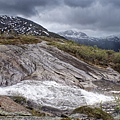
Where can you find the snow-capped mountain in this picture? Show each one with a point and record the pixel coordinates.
(21, 25)
(110, 42)
(73, 34)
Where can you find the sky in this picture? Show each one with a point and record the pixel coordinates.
(96, 18)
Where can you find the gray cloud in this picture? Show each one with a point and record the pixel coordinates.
(86, 15)
(115, 3)
(79, 3)
(25, 7)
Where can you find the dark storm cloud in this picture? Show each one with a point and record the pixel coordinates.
(116, 3)
(25, 7)
(103, 15)
(79, 3)
(100, 15)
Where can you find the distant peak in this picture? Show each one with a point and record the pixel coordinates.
(73, 33)
(19, 25)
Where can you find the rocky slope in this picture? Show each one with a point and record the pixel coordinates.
(109, 43)
(51, 78)
(44, 62)
(37, 79)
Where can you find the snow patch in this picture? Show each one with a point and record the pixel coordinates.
(46, 33)
(51, 93)
(115, 92)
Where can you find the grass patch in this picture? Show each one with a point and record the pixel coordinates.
(96, 113)
(19, 99)
(91, 55)
(37, 113)
(19, 40)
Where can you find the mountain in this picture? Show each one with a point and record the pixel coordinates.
(48, 79)
(73, 34)
(109, 43)
(19, 25)
(41, 77)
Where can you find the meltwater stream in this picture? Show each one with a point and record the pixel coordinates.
(51, 93)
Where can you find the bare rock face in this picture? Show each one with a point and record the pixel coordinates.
(13, 68)
(42, 62)
(50, 77)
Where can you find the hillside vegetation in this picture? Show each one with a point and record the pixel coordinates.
(89, 54)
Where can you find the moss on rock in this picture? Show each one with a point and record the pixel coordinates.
(19, 99)
(96, 113)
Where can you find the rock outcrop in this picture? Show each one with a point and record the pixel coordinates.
(49, 77)
(10, 108)
(42, 62)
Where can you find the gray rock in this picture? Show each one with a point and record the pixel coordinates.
(42, 62)
(29, 118)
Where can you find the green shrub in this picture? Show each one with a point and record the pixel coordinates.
(117, 57)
